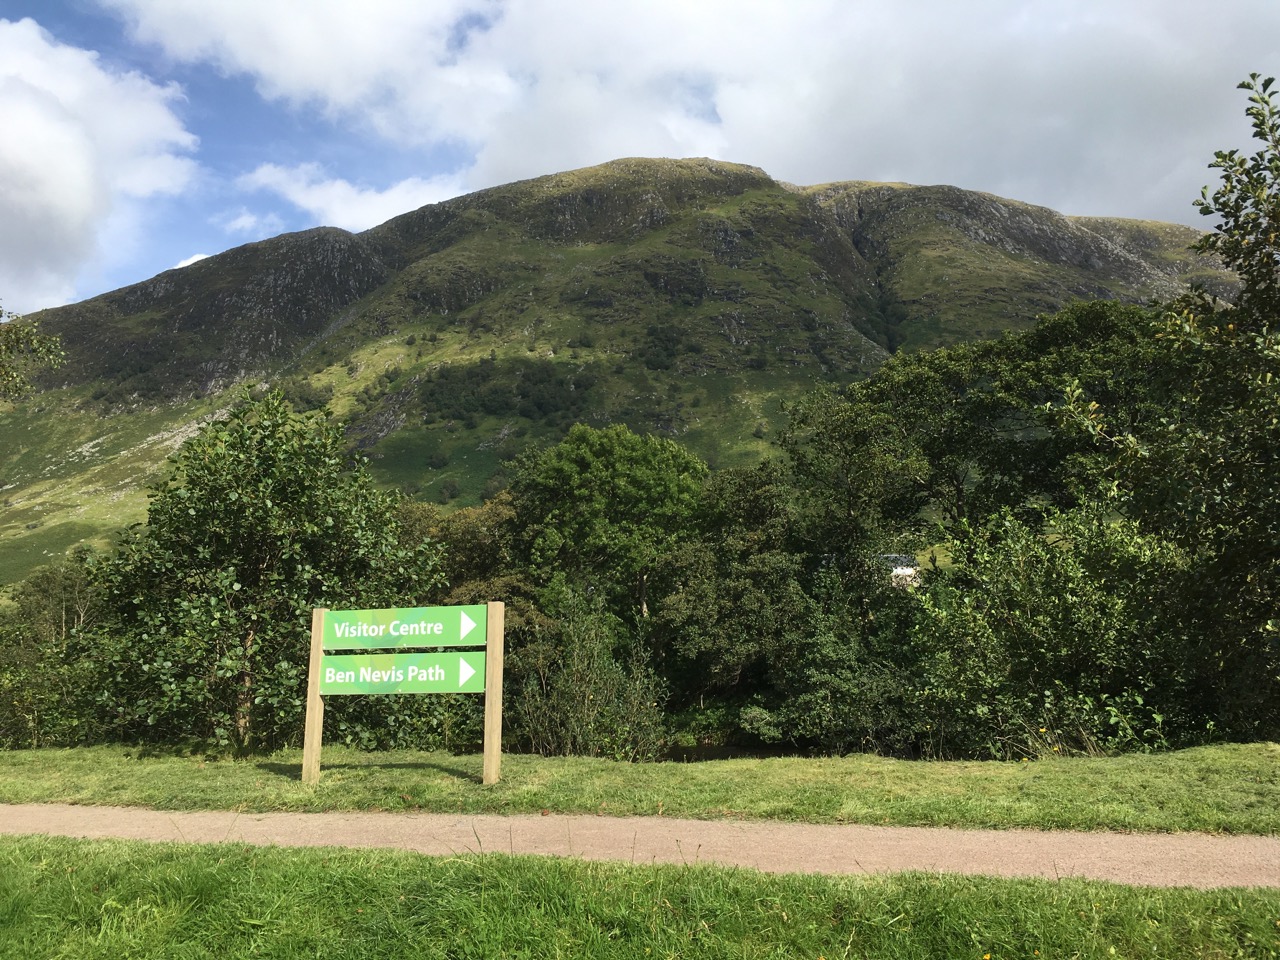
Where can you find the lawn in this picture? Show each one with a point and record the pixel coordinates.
(1232, 788)
(112, 899)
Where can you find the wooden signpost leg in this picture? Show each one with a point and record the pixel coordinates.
(493, 693)
(314, 728)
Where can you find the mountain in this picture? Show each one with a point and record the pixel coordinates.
(690, 297)
(954, 265)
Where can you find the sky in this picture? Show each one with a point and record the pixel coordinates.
(141, 135)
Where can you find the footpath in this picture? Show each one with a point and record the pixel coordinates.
(1180, 859)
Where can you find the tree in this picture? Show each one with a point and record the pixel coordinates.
(861, 468)
(730, 596)
(961, 432)
(606, 506)
(1247, 204)
(23, 349)
(262, 518)
(1206, 474)
(1059, 627)
(44, 697)
(570, 692)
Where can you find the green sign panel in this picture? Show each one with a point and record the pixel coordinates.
(405, 627)
(459, 672)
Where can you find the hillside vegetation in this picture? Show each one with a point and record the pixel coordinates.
(689, 298)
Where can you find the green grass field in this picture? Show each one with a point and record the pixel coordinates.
(113, 899)
(1230, 788)
(109, 899)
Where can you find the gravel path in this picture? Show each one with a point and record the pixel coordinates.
(1192, 860)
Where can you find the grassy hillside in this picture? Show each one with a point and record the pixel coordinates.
(956, 265)
(690, 298)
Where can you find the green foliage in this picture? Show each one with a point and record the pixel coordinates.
(840, 683)
(961, 432)
(733, 593)
(206, 629)
(23, 350)
(1204, 474)
(45, 694)
(605, 506)
(1247, 203)
(790, 632)
(1069, 626)
(410, 722)
(1062, 639)
(537, 390)
(581, 691)
(860, 466)
(303, 396)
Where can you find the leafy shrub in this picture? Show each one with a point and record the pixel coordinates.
(1064, 634)
(303, 396)
(436, 722)
(835, 683)
(576, 697)
(44, 693)
(207, 609)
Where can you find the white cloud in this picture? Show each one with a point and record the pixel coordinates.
(1091, 106)
(195, 258)
(395, 64)
(81, 144)
(244, 222)
(337, 203)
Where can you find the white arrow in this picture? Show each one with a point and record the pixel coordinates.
(467, 625)
(465, 670)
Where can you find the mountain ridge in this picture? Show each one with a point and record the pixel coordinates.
(688, 297)
(895, 243)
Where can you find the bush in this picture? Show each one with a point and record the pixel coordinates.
(574, 697)
(1057, 637)
(45, 693)
(207, 609)
(836, 685)
(434, 722)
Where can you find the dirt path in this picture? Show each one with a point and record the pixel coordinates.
(1194, 860)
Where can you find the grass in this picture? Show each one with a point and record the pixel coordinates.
(74, 898)
(1229, 789)
(73, 475)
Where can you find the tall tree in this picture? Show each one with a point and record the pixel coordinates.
(1207, 473)
(262, 518)
(606, 506)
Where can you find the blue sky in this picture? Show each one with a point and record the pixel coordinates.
(140, 134)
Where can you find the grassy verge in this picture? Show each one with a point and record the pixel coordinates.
(1232, 788)
(77, 898)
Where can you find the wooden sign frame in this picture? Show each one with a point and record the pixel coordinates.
(313, 731)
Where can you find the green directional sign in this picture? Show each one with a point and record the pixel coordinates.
(458, 672)
(462, 626)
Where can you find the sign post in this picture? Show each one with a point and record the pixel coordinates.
(409, 668)
(311, 732)
(493, 702)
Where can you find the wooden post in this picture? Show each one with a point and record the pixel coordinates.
(493, 692)
(314, 729)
